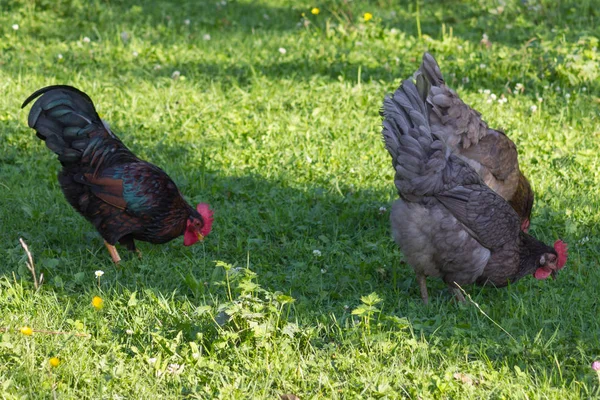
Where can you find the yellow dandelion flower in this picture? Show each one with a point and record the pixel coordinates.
(368, 16)
(27, 331)
(315, 11)
(97, 302)
(54, 362)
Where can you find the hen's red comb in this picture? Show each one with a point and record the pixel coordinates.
(562, 252)
(207, 217)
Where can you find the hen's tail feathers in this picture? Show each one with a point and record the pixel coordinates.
(430, 70)
(66, 119)
(419, 156)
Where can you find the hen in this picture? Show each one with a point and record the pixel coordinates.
(125, 198)
(447, 222)
(489, 151)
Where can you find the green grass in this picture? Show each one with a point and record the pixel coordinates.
(287, 150)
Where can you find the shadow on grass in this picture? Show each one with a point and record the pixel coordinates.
(274, 228)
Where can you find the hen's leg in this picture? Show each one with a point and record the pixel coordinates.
(423, 287)
(113, 252)
(456, 292)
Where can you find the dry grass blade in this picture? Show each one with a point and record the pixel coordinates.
(31, 266)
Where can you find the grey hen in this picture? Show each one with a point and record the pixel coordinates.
(489, 151)
(447, 222)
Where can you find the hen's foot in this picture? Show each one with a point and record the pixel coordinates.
(423, 287)
(458, 295)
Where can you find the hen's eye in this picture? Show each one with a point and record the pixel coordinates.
(543, 260)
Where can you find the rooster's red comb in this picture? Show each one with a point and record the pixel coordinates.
(207, 217)
(562, 251)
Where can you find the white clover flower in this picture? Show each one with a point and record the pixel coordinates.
(533, 108)
(484, 37)
(459, 47)
(323, 270)
(282, 50)
(187, 21)
(382, 210)
(540, 99)
(568, 95)
(175, 75)
(60, 56)
(317, 253)
(465, 79)
(175, 368)
(308, 159)
(487, 91)
(86, 40)
(558, 89)
(502, 100)
(346, 307)
(130, 332)
(15, 27)
(152, 360)
(482, 66)
(584, 89)
(99, 273)
(206, 37)
(493, 96)
(519, 86)
(157, 67)
(135, 53)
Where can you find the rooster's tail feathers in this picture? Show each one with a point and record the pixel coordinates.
(66, 119)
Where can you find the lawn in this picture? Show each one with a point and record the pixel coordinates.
(269, 112)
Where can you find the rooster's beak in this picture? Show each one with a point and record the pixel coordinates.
(200, 236)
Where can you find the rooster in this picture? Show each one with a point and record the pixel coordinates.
(448, 222)
(489, 151)
(125, 198)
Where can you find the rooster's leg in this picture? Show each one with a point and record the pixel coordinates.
(423, 286)
(113, 252)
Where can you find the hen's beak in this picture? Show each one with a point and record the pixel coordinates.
(200, 236)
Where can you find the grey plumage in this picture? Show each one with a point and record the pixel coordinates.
(490, 152)
(447, 222)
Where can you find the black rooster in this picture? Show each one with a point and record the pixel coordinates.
(124, 197)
